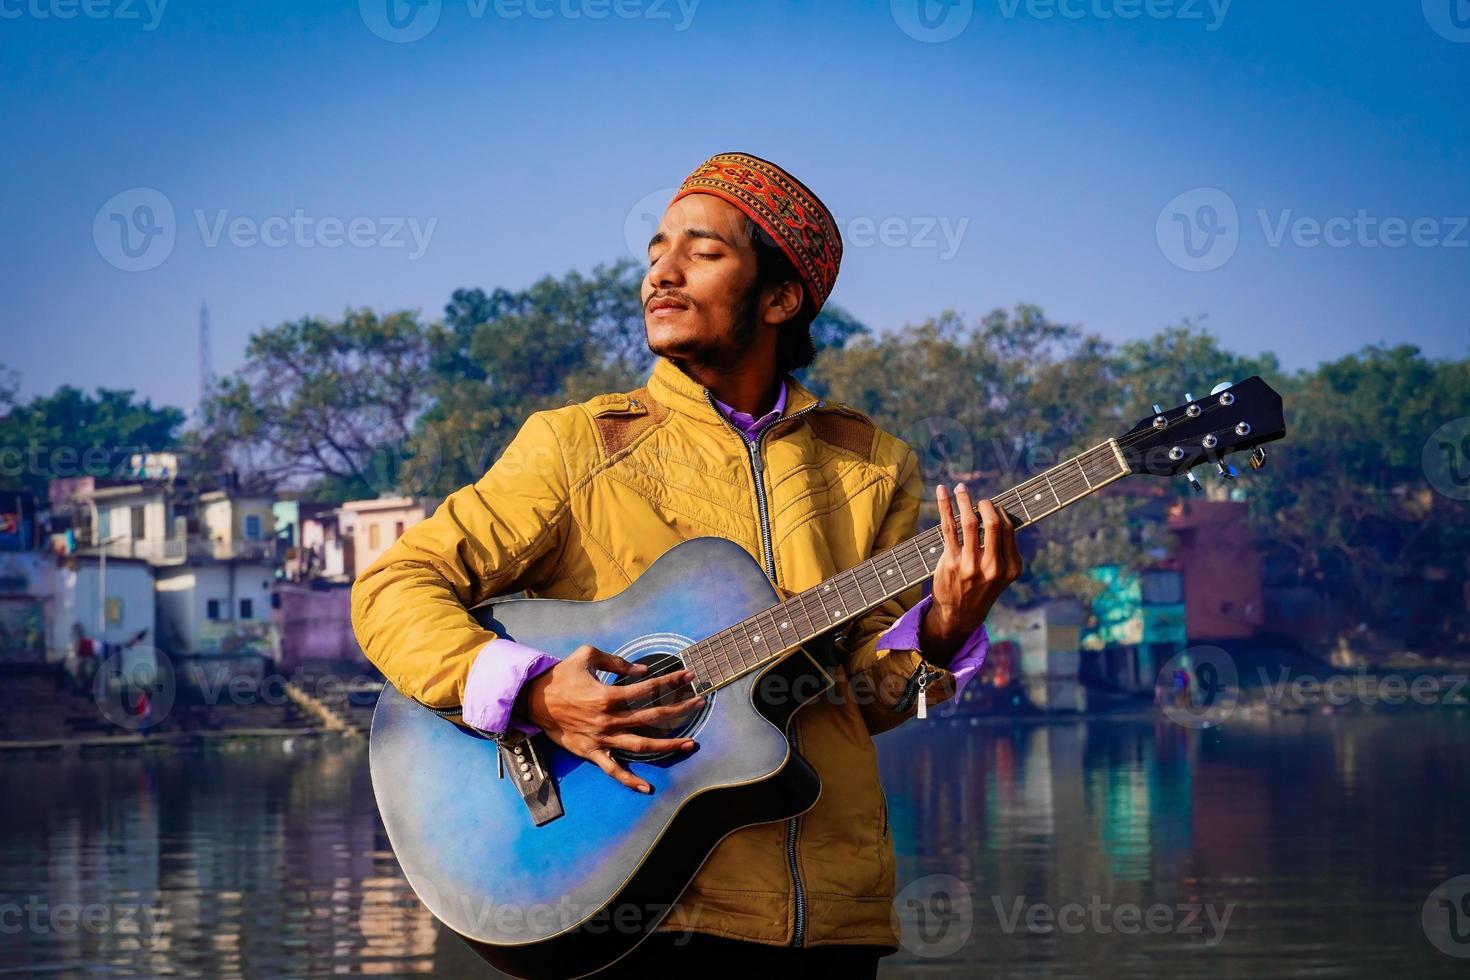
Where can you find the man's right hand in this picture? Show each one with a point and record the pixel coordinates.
(589, 718)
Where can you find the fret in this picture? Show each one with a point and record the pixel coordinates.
(1010, 511)
(884, 581)
(1053, 490)
(1024, 509)
(804, 601)
(743, 642)
(888, 573)
(857, 582)
(760, 642)
(896, 564)
(783, 627)
(919, 549)
(719, 650)
(828, 592)
(1083, 470)
(804, 606)
(733, 640)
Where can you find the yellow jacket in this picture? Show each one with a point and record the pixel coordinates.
(582, 501)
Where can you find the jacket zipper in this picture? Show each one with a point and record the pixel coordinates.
(798, 936)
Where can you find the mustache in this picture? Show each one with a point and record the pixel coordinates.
(682, 297)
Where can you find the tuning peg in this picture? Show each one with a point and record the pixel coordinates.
(1158, 409)
(1226, 471)
(1221, 387)
(1258, 457)
(1193, 481)
(1188, 397)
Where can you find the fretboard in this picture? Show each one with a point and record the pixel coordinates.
(774, 632)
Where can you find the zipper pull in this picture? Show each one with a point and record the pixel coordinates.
(923, 711)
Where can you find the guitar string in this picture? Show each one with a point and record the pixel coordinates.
(800, 599)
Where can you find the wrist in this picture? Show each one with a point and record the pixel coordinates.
(951, 625)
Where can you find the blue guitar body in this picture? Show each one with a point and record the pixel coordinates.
(574, 894)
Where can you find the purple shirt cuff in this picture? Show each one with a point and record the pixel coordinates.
(968, 659)
(501, 669)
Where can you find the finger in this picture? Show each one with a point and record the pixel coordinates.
(971, 523)
(649, 690)
(642, 743)
(658, 714)
(946, 521)
(604, 760)
(597, 660)
(1015, 563)
(1010, 547)
(991, 521)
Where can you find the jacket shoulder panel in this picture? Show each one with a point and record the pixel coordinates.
(594, 432)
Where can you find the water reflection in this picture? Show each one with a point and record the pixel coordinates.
(1313, 843)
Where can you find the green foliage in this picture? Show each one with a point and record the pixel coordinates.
(72, 433)
(334, 401)
(1346, 499)
(503, 355)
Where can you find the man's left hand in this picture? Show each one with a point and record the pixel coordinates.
(974, 572)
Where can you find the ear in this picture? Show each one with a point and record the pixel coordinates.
(783, 303)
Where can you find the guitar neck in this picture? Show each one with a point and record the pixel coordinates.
(775, 632)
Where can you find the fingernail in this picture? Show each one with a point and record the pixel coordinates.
(645, 788)
(959, 488)
(688, 746)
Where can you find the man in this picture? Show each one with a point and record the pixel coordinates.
(721, 441)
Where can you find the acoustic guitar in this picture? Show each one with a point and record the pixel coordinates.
(548, 867)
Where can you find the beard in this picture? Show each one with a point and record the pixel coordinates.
(720, 350)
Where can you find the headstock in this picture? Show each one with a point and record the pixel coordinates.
(1234, 417)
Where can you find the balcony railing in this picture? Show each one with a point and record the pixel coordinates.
(180, 550)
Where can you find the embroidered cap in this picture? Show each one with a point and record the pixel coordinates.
(782, 205)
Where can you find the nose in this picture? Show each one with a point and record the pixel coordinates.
(666, 272)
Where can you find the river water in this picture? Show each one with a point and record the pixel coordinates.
(1299, 847)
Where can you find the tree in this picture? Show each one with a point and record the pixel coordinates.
(503, 355)
(994, 403)
(1347, 499)
(331, 401)
(72, 433)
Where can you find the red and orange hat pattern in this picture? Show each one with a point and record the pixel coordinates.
(782, 205)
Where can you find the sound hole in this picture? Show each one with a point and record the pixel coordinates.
(683, 725)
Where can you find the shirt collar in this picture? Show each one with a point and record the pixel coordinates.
(750, 426)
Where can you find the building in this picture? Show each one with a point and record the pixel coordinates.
(211, 556)
(317, 547)
(1046, 639)
(1217, 555)
(1138, 626)
(214, 592)
(109, 601)
(376, 524)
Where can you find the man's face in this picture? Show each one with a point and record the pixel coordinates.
(697, 294)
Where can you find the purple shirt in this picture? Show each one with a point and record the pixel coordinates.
(504, 666)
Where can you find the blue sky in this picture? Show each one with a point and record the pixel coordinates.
(316, 157)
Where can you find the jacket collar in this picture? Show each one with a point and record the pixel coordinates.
(672, 387)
